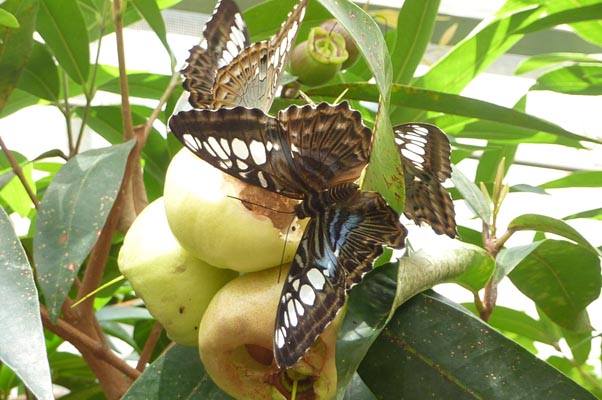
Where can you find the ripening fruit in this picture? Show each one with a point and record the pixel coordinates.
(235, 343)
(175, 286)
(319, 58)
(353, 52)
(207, 216)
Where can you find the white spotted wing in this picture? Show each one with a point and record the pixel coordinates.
(425, 153)
(311, 153)
(226, 71)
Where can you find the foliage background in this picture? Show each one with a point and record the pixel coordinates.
(427, 342)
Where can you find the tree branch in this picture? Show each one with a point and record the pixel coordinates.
(81, 341)
(19, 172)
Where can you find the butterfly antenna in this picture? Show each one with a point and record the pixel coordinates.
(284, 248)
(305, 97)
(259, 205)
(343, 93)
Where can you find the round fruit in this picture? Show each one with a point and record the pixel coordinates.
(319, 58)
(226, 222)
(235, 343)
(175, 286)
(353, 52)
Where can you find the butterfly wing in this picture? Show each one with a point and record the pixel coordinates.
(329, 143)
(425, 153)
(252, 78)
(339, 245)
(225, 36)
(245, 143)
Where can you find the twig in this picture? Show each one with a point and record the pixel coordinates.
(19, 172)
(68, 332)
(126, 110)
(149, 346)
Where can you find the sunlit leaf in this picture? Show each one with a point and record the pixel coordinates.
(7, 19)
(539, 61)
(582, 79)
(415, 25)
(22, 345)
(71, 216)
(150, 11)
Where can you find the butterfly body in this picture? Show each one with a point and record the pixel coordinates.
(314, 154)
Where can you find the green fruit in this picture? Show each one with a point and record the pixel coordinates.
(235, 343)
(353, 52)
(175, 286)
(319, 58)
(225, 231)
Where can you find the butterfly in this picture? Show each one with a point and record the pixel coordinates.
(225, 70)
(425, 152)
(314, 154)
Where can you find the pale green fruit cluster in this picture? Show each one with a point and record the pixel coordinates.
(222, 230)
(175, 286)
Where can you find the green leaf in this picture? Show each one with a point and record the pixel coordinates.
(508, 258)
(107, 122)
(491, 159)
(121, 313)
(144, 85)
(576, 179)
(371, 303)
(16, 44)
(584, 79)
(22, 345)
(8, 20)
(471, 195)
(12, 192)
(63, 28)
(41, 76)
(596, 213)
(479, 270)
(414, 30)
(72, 214)
(517, 322)
(149, 10)
(17, 101)
(384, 173)
(471, 56)
(575, 14)
(545, 60)
(426, 99)
(178, 373)
(435, 349)
(535, 222)
(580, 344)
(562, 278)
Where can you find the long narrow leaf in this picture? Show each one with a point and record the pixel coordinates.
(72, 214)
(432, 100)
(414, 30)
(22, 345)
(63, 28)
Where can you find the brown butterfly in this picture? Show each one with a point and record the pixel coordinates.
(425, 152)
(225, 70)
(314, 154)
